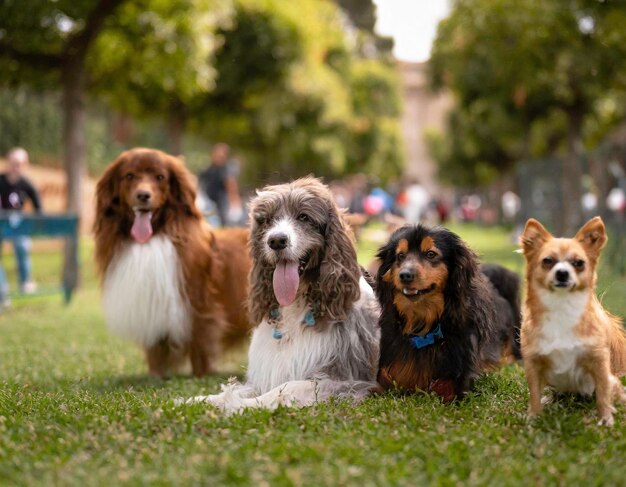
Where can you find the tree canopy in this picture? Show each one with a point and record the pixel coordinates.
(519, 66)
(47, 43)
(296, 87)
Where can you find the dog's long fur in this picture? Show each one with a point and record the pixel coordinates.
(569, 342)
(182, 293)
(338, 355)
(477, 322)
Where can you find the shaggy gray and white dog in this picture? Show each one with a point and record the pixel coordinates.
(317, 334)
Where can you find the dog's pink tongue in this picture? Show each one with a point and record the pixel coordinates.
(142, 226)
(286, 282)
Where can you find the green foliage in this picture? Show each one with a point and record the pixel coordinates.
(31, 119)
(293, 95)
(374, 89)
(36, 29)
(377, 146)
(255, 55)
(479, 144)
(514, 65)
(282, 82)
(362, 13)
(157, 52)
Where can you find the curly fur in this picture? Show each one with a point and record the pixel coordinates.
(212, 264)
(338, 355)
(331, 272)
(476, 321)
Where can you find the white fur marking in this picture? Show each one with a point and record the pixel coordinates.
(563, 266)
(143, 293)
(299, 354)
(560, 343)
(286, 227)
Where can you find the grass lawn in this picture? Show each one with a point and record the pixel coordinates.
(76, 408)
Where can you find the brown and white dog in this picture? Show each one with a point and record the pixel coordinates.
(169, 282)
(569, 342)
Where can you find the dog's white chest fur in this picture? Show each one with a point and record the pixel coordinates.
(302, 351)
(560, 344)
(297, 355)
(143, 293)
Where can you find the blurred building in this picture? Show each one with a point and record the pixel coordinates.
(423, 111)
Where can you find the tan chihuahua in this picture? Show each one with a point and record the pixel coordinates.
(569, 342)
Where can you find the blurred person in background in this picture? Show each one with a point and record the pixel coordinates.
(219, 184)
(15, 191)
(416, 201)
(511, 205)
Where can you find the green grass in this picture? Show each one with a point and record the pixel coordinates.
(76, 408)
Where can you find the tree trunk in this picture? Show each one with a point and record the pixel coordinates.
(74, 133)
(73, 79)
(176, 122)
(572, 177)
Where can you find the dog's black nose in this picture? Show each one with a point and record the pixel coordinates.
(562, 275)
(143, 196)
(406, 276)
(278, 241)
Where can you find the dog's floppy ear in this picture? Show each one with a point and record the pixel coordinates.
(533, 236)
(109, 219)
(182, 190)
(261, 298)
(108, 191)
(462, 272)
(592, 236)
(386, 256)
(338, 283)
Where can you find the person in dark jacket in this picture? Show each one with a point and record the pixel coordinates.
(218, 183)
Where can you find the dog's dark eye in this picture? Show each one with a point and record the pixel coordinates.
(548, 261)
(303, 217)
(129, 176)
(401, 256)
(578, 264)
(431, 254)
(160, 177)
(260, 219)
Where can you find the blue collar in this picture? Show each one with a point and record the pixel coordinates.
(428, 339)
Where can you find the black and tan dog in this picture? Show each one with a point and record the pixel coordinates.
(445, 319)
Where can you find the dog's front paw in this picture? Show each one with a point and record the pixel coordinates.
(606, 420)
(532, 413)
(444, 389)
(547, 399)
(179, 401)
(214, 400)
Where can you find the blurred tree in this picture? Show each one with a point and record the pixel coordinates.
(46, 43)
(479, 144)
(376, 140)
(522, 63)
(251, 98)
(284, 93)
(362, 15)
(288, 83)
(154, 59)
(258, 74)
